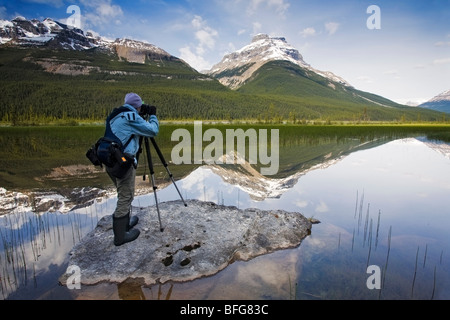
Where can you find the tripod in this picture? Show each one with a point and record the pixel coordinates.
(152, 172)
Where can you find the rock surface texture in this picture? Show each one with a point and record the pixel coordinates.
(198, 240)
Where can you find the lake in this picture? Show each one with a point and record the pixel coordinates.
(382, 202)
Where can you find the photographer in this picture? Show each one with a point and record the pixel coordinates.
(125, 125)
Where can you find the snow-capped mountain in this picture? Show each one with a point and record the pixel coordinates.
(237, 67)
(440, 102)
(50, 33)
(55, 35)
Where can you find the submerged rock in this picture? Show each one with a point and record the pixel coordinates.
(198, 240)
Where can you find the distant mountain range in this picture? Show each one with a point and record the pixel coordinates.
(55, 35)
(267, 74)
(439, 103)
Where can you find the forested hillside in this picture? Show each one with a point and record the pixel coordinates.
(39, 86)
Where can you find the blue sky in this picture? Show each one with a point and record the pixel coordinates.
(406, 60)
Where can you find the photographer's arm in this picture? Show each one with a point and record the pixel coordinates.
(144, 128)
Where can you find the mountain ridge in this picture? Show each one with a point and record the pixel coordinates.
(55, 35)
(272, 65)
(441, 102)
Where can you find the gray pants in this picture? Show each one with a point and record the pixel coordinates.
(125, 192)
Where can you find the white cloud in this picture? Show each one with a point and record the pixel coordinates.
(108, 10)
(364, 79)
(321, 207)
(55, 3)
(442, 44)
(104, 12)
(441, 61)
(301, 203)
(194, 60)
(280, 6)
(257, 27)
(197, 22)
(308, 32)
(391, 72)
(206, 41)
(205, 35)
(331, 27)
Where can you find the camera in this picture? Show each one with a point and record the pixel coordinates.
(147, 110)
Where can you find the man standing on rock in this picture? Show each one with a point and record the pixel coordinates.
(129, 126)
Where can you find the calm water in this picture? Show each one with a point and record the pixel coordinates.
(386, 207)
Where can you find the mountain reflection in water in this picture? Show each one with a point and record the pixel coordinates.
(381, 203)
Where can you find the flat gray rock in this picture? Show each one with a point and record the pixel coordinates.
(198, 240)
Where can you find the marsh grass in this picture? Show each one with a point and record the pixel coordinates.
(26, 238)
(341, 274)
(393, 286)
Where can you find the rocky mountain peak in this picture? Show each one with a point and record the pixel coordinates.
(237, 67)
(266, 37)
(260, 36)
(274, 48)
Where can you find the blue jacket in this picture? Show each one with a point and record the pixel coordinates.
(128, 123)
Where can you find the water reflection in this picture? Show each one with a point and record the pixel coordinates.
(34, 248)
(385, 206)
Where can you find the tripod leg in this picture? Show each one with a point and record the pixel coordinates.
(158, 151)
(152, 172)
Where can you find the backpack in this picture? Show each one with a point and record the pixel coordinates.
(109, 150)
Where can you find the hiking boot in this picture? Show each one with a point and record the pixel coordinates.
(132, 221)
(120, 227)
